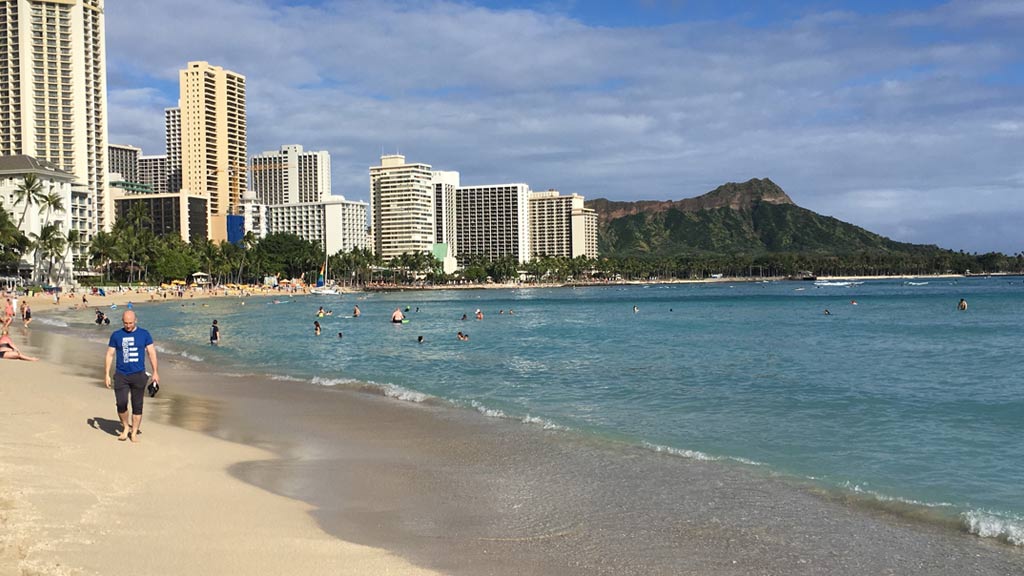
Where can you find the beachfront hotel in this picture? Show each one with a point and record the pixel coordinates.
(52, 180)
(53, 98)
(561, 226)
(336, 224)
(493, 221)
(182, 213)
(445, 184)
(401, 207)
(290, 175)
(213, 139)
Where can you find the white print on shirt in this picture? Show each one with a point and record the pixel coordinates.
(129, 352)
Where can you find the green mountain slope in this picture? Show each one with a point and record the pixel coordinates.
(753, 217)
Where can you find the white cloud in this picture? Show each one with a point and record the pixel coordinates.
(827, 105)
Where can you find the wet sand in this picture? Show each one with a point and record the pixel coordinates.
(457, 492)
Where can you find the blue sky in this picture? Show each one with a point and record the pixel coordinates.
(904, 117)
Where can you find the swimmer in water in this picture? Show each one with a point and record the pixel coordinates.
(316, 327)
(462, 337)
(419, 339)
(397, 316)
(479, 314)
(962, 305)
(635, 309)
(356, 311)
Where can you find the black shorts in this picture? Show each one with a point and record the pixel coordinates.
(133, 385)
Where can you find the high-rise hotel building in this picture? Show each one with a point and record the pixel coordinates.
(213, 139)
(561, 226)
(124, 160)
(153, 173)
(172, 145)
(493, 221)
(401, 207)
(445, 184)
(53, 97)
(291, 175)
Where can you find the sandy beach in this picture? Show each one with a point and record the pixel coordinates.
(74, 500)
(243, 474)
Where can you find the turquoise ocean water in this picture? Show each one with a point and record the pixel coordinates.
(899, 399)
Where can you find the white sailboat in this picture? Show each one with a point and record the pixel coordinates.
(321, 287)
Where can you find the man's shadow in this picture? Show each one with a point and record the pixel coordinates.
(112, 427)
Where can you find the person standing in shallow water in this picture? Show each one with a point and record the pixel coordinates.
(130, 346)
(214, 334)
(962, 306)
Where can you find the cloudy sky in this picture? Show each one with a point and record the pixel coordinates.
(905, 117)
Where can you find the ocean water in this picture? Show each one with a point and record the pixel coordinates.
(898, 400)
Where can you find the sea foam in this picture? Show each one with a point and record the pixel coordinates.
(990, 525)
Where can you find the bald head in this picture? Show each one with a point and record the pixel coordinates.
(128, 318)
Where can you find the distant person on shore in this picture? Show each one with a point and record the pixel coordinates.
(130, 346)
(462, 337)
(8, 351)
(214, 334)
(356, 311)
(962, 306)
(397, 316)
(27, 315)
(316, 327)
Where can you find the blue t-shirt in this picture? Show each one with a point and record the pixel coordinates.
(131, 349)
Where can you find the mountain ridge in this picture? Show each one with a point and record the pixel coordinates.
(753, 217)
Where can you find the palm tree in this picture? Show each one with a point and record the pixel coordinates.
(103, 250)
(13, 242)
(72, 240)
(50, 203)
(48, 244)
(30, 191)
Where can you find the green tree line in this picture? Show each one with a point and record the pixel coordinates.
(131, 252)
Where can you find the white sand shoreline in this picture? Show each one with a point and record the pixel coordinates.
(74, 500)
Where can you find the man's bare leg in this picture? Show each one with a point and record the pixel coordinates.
(136, 422)
(124, 425)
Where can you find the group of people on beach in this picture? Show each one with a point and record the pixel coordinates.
(24, 312)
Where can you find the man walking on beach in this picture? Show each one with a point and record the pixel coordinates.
(128, 344)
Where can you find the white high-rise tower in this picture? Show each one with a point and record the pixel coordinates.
(53, 96)
(401, 207)
(291, 175)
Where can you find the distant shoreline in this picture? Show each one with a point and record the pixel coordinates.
(726, 279)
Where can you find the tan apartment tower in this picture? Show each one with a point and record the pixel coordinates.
(401, 207)
(213, 140)
(561, 226)
(53, 97)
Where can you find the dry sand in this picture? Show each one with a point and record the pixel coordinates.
(74, 500)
